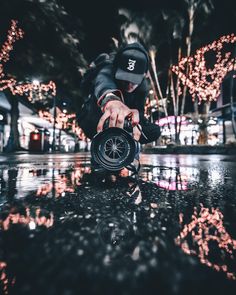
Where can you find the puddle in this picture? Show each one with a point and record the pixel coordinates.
(64, 230)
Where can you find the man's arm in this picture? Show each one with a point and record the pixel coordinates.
(105, 88)
(116, 111)
(110, 99)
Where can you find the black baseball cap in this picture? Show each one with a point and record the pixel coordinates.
(132, 64)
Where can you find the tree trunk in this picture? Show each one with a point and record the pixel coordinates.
(203, 136)
(177, 126)
(13, 143)
(191, 12)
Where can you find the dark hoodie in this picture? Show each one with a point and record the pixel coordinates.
(105, 82)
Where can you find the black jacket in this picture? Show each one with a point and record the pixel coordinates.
(104, 83)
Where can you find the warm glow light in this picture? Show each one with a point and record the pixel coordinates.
(36, 82)
(62, 120)
(34, 89)
(14, 33)
(206, 227)
(203, 81)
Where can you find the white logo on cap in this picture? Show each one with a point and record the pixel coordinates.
(131, 64)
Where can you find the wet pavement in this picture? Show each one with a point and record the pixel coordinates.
(66, 231)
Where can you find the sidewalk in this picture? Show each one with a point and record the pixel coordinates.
(201, 149)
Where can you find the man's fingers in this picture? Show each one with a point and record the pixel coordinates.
(120, 121)
(112, 121)
(135, 117)
(102, 121)
(136, 133)
(117, 112)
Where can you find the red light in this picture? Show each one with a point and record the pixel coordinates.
(35, 137)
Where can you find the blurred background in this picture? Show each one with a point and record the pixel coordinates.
(45, 54)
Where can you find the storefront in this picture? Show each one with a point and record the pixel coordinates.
(226, 123)
(189, 131)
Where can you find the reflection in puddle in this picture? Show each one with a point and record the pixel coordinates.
(50, 182)
(16, 218)
(5, 283)
(114, 230)
(168, 178)
(54, 181)
(70, 229)
(206, 237)
(25, 216)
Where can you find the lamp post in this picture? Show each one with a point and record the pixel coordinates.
(54, 124)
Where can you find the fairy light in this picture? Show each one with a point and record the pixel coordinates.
(62, 120)
(202, 81)
(36, 219)
(205, 227)
(63, 183)
(34, 91)
(4, 280)
(14, 33)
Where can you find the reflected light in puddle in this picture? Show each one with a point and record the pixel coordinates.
(5, 283)
(32, 225)
(203, 235)
(172, 186)
(215, 176)
(171, 178)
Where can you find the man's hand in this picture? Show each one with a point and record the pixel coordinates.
(136, 133)
(117, 112)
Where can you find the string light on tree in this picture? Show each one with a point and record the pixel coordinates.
(34, 91)
(197, 236)
(62, 120)
(14, 34)
(205, 81)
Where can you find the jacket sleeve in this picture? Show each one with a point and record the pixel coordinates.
(105, 83)
(140, 100)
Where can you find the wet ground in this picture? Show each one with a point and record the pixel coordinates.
(65, 231)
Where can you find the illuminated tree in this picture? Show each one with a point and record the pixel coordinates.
(174, 41)
(28, 89)
(203, 77)
(182, 29)
(14, 33)
(193, 6)
(203, 81)
(196, 239)
(51, 47)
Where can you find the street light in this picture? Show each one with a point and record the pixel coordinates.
(36, 82)
(54, 124)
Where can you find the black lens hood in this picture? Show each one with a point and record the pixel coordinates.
(113, 148)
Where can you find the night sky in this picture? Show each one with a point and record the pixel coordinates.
(100, 20)
(96, 22)
(45, 54)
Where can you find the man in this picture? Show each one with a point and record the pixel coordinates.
(119, 91)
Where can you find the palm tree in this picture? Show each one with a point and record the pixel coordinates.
(193, 7)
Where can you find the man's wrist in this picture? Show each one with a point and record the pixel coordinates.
(107, 98)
